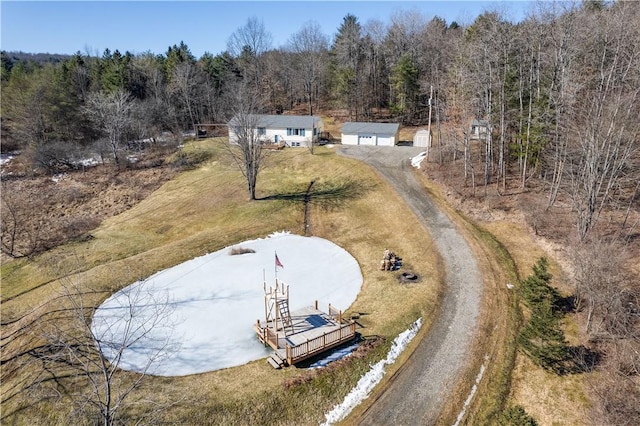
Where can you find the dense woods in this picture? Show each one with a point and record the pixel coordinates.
(559, 93)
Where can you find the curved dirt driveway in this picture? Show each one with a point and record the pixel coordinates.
(419, 390)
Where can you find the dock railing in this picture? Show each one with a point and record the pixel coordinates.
(321, 343)
(335, 314)
(266, 335)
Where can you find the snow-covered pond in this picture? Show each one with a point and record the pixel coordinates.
(198, 316)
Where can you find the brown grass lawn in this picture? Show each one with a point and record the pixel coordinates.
(206, 209)
(200, 211)
(550, 399)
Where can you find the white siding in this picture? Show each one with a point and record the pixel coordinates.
(422, 138)
(279, 134)
(349, 139)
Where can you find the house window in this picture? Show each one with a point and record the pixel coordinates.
(295, 132)
(262, 131)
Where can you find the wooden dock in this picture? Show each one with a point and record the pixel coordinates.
(304, 333)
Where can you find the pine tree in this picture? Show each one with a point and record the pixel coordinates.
(542, 338)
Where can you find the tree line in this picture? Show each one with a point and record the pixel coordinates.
(558, 92)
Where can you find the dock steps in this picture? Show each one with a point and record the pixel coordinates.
(275, 361)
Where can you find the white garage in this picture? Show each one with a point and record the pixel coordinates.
(381, 134)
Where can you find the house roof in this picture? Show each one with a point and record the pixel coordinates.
(377, 128)
(476, 122)
(284, 121)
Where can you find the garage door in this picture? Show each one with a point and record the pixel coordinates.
(384, 141)
(366, 140)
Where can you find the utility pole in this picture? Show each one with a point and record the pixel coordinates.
(429, 128)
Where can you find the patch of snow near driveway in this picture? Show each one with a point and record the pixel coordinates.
(198, 316)
(369, 381)
(417, 160)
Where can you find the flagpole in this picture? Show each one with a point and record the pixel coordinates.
(275, 265)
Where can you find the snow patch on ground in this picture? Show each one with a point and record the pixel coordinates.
(88, 162)
(367, 382)
(5, 159)
(473, 391)
(417, 160)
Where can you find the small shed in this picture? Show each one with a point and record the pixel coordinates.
(478, 129)
(381, 134)
(422, 138)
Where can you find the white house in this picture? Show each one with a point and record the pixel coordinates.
(384, 134)
(422, 138)
(290, 130)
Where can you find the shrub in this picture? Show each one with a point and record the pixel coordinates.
(516, 416)
(240, 250)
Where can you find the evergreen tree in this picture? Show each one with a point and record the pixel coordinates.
(542, 338)
(535, 289)
(347, 54)
(404, 78)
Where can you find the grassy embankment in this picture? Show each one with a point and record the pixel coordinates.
(506, 252)
(201, 211)
(547, 397)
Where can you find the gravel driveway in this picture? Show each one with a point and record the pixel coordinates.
(419, 390)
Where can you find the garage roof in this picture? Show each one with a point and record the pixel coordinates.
(354, 127)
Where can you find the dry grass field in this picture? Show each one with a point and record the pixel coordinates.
(200, 211)
(207, 208)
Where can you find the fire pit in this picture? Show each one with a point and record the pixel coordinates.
(408, 277)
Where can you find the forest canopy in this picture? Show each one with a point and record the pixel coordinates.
(557, 92)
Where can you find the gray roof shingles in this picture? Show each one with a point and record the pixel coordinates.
(375, 128)
(286, 121)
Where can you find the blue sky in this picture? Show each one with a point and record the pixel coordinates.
(205, 26)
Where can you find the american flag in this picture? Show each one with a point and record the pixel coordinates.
(278, 263)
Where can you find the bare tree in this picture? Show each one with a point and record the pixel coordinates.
(279, 85)
(10, 225)
(310, 47)
(248, 43)
(93, 346)
(252, 35)
(245, 145)
(485, 64)
(605, 290)
(606, 127)
(463, 104)
(112, 113)
(374, 68)
(186, 83)
(20, 235)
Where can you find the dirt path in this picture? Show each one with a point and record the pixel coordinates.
(419, 390)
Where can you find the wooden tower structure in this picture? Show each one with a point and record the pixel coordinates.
(276, 309)
(296, 336)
